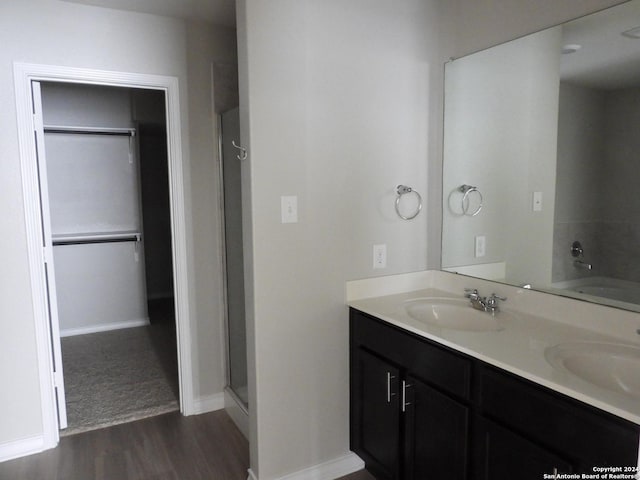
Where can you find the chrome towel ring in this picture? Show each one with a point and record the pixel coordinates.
(466, 191)
(402, 190)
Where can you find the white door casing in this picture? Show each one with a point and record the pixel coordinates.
(24, 76)
(49, 267)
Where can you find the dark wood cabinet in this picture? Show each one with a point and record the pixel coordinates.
(500, 454)
(402, 425)
(436, 429)
(422, 411)
(378, 414)
(585, 436)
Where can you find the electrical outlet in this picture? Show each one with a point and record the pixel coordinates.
(380, 256)
(537, 201)
(289, 209)
(481, 246)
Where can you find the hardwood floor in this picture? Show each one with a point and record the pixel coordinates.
(166, 447)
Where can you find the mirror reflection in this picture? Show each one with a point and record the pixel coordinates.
(541, 169)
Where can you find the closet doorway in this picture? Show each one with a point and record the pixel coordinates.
(105, 167)
(63, 235)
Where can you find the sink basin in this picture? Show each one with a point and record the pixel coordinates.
(612, 366)
(453, 314)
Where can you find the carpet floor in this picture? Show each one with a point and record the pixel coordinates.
(119, 376)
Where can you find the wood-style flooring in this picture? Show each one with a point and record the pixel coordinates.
(166, 447)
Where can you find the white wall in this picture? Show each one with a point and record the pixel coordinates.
(60, 33)
(336, 110)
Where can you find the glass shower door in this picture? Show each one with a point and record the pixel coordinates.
(236, 328)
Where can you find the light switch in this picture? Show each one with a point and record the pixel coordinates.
(289, 208)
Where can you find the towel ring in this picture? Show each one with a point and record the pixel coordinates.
(403, 189)
(467, 190)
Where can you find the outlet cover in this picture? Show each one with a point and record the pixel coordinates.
(481, 246)
(289, 208)
(537, 201)
(380, 256)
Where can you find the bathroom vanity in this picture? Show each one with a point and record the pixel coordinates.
(435, 395)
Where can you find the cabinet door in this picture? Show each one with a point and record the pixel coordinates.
(436, 429)
(375, 414)
(504, 455)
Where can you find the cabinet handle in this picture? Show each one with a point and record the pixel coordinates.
(389, 392)
(405, 385)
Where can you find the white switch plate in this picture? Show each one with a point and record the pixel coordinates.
(289, 208)
(481, 246)
(380, 256)
(537, 201)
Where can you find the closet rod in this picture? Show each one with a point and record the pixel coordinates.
(126, 132)
(100, 238)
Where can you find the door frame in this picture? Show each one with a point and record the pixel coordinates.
(24, 74)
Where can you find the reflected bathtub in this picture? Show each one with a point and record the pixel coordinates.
(610, 291)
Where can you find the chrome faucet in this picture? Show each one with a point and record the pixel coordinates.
(492, 303)
(486, 304)
(578, 251)
(582, 265)
(476, 300)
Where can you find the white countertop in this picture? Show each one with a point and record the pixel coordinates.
(520, 346)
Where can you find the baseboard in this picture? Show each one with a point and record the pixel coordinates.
(336, 468)
(208, 403)
(104, 327)
(21, 448)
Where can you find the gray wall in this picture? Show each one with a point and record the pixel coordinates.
(597, 202)
(149, 111)
(501, 110)
(336, 105)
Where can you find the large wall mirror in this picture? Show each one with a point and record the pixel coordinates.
(541, 177)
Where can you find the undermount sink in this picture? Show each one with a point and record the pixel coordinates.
(453, 314)
(614, 367)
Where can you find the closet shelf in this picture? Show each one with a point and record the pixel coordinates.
(127, 132)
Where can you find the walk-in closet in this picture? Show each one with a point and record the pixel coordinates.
(106, 194)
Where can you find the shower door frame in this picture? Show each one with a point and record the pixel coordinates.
(244, 408)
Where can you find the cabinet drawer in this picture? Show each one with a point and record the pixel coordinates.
(591, 437)
(429, 362)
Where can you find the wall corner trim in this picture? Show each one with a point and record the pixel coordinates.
(21, 448)
(207, 403)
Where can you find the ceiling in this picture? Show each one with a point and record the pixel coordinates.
(216, 12)
(607, 59)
